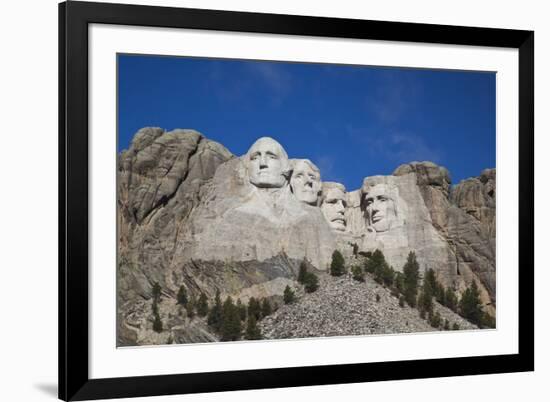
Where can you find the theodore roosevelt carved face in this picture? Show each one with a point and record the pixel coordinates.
(267, 163)
(305, 181)
(380, 207)
(333, 205)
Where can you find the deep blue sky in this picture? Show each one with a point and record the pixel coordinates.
(352, 121)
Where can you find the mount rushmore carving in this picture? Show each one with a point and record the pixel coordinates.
(190, 212)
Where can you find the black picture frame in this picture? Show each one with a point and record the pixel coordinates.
(74, 381)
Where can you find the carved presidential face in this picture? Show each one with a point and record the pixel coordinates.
(267, 163)
(380, 208)
(305, 181)
(333, 207)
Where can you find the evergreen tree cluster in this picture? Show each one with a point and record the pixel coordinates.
(233, 320)
(411, 277)
(288, 295)
(307, 278)
(406, 287)
(358, 273)
(378, 266)
(338, 264)
(470, 307)
(157, 323)
(403, 285)
(191, 304)
(432, 288)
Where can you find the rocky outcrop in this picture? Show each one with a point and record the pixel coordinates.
(464, 217)
(343, 306)
(159, 182)
(193, 215)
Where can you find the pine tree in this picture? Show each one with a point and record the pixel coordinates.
(190, 307)
(358, 273)
(398, 282)
(425, 302)
(470, 304)
(440, 294)
(266, 308)
(410, 279)
(242, 310)
(215, 316)
(455, 327)
(375, 262)
(157, 324)
(302, 272)
(429, 277)
(379, 267)
(254, 309)
(451, 300)
(337, 265)
(252, 330)
(231, 326)
(446, 326)
(202, 306)
(311, 282)
(182, 296)
(435, 320)
(288, 295)
(388, 275)
(377, 298)
(156, 292)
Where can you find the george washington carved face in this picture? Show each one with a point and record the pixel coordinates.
(333, 205)
(305, 181)
(267, 163)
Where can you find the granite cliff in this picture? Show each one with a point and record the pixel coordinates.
(191, 214)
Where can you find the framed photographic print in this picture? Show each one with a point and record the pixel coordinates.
(257, 200)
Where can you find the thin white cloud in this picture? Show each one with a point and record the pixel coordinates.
(396, 147)
(275, 78)
(392, 98)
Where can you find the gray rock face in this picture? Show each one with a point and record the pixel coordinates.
(400, 222)
(465, 218)
(239, 222)
(192, 214)
(343, 306)
(159, 182)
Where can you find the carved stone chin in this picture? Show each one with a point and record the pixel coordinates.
(267, 164)
(333, 205)
(380, 207)
(305, 181)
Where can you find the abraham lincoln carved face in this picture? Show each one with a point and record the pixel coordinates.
(380, 207)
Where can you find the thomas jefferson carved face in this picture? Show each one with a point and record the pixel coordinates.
(267, 163)
(305, 181)
(380, 208)
(334, 205)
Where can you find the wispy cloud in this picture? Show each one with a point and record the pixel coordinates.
(271, 79)
(227, 88)
(410, 147)
(273, 76)
(395, 147)
(326, 165)
(393, 98)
